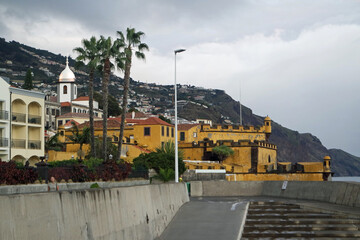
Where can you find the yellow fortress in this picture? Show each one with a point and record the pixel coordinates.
(254, 158)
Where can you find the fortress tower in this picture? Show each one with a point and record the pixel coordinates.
(267, 123)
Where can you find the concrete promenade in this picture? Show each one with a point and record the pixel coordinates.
(207, 219)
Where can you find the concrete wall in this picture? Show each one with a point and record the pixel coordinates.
(140, 212)
(36, 188)
(341, 193)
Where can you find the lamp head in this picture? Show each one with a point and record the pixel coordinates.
(179, 51)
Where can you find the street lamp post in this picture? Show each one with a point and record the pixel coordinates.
(176, 124)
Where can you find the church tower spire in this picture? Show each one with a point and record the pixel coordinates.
(66, 89)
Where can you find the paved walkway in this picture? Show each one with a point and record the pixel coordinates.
(222, 217)
(210, 219)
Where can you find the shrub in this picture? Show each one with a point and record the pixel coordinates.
(81, 173)
(165, 175)
(94, 185)
(11, 174)
(222, 152)
(63, 163)
(92, 163)
(163, 158)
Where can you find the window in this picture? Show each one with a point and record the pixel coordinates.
(52, 111)
(195, 135)
(162, 144)
(116, 139)
(172, 132)
(65, 90)
(57, 112)
(96, 114)
(47, 110)
(146, 131)
(269, 160)
(60, 122)
(74, 110)
(167, 131)
(162, 131)
(267, 123)
(182, 136)
(66, 121)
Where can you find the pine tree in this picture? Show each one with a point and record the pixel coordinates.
(28, 80)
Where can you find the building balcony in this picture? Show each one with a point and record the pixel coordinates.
(34, 119)
(34, 144)
(18, 117)
(4, 142)
(4, 115)
(18, 143)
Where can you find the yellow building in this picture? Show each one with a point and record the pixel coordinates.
(140, 135)
(27, 125)
(78, 117)
(254, 157)
(150, 133)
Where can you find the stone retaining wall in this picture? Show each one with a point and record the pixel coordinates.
(138, 212)
(342, 193)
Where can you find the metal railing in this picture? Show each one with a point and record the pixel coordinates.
(34, 144)
(4, 115)
(18, 117)
(34, 119)
(4, 142)
(18, 143)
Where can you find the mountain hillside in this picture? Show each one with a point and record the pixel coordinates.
(194, 102)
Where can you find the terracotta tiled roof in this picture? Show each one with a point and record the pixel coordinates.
(69, 123)
(149, 121)
(65, 104)
(137, 115)
(184, 127)
(111, 123)
(83, 98)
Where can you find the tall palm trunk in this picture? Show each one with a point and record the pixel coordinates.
(105, 84)
(91, 107)
(124, 103)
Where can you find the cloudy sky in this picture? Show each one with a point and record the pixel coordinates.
(296, 61)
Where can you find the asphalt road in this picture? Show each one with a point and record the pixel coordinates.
(207, 218)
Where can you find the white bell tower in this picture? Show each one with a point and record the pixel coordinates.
(66, 88)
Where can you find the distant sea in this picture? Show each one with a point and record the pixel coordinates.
(346, 179)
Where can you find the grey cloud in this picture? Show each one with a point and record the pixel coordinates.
(234, 37)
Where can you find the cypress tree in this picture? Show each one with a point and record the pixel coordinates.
(28, 80)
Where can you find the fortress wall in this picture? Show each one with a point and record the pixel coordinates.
(138, 212)
(342, 193)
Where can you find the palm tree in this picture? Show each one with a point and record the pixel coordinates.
(90, 53)
(131, 43)
(53, 143)
(81, 138)
(108, 50)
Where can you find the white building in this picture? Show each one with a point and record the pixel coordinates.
(21, 124)
(4, 120)
(68, 100)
